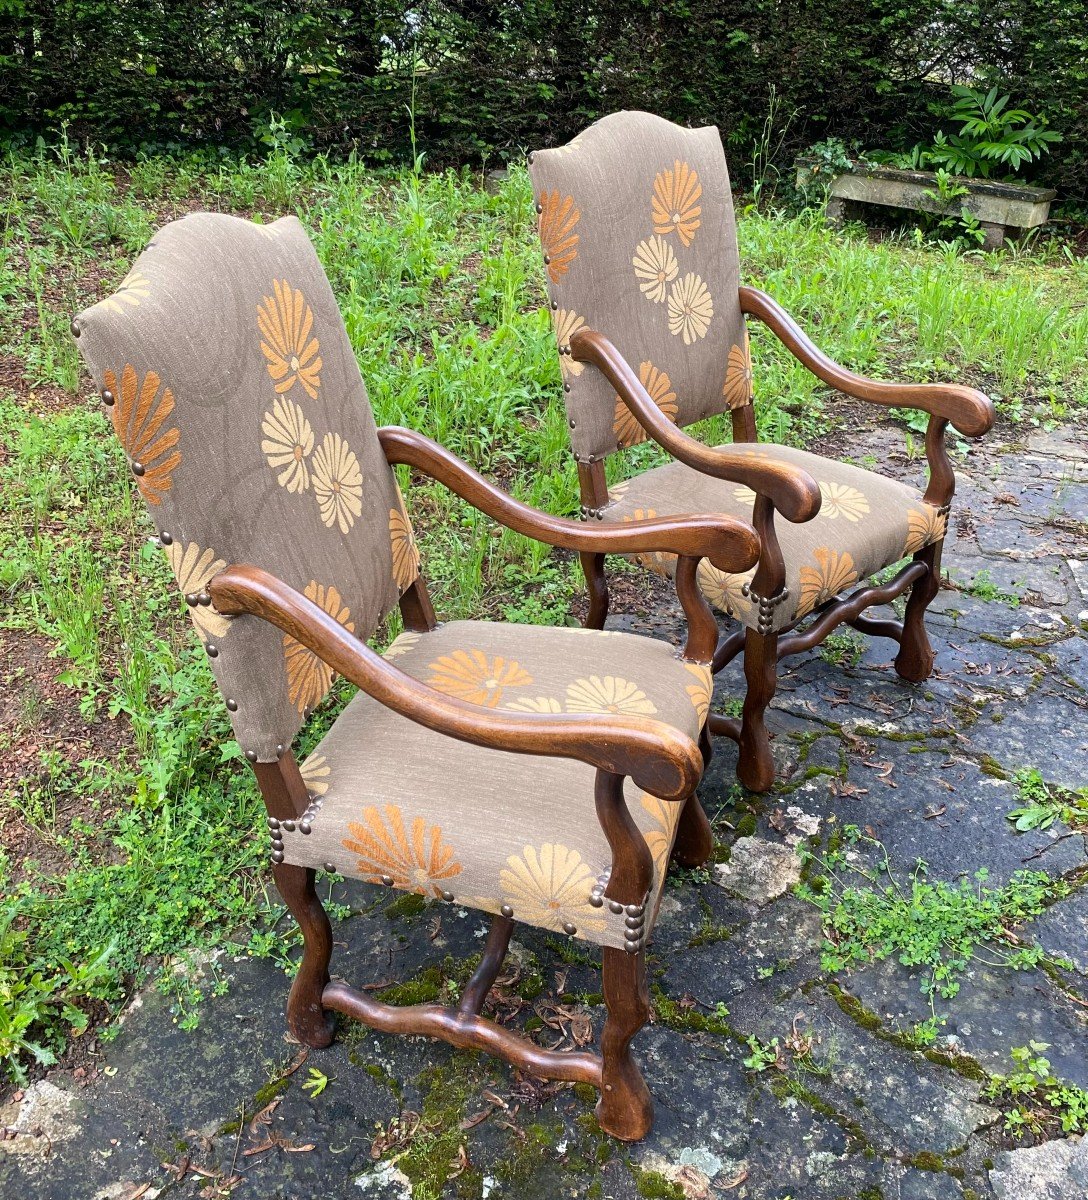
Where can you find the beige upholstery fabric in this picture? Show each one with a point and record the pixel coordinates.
(442, 818)
(639, 241)
(238, 400)
(866, 522)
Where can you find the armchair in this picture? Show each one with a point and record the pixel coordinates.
(461, 769)
(639, 241)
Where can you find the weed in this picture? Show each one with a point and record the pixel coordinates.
(762, 1055)
(843, 648)
(1035, 1097)
(1043, 804)
(316, 1083)
(984, 588)
(938, 926)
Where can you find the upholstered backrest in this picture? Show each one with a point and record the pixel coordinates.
(639, 241)
(230, 381)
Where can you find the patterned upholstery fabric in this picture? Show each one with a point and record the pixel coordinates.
(639, 240)
(236, 395)
(866, 522)
(490, 828)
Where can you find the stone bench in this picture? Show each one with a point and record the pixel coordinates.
(1000, 208)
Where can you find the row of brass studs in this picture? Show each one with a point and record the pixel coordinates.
(766, 606)
(634, 915)
(275, 832)
(597, 514)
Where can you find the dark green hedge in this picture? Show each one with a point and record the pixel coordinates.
(500, 77)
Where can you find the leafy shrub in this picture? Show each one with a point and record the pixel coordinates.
(494, 77)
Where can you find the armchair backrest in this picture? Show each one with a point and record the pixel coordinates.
(230, 381)
(639, 240)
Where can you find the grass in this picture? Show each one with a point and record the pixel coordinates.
(142, 847)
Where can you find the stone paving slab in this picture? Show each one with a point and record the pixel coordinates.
(852, 1110)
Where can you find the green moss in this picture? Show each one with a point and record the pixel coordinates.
(655, 1186)
(925, 1160)
(668, 1013)
(855, 1010)
(595, 1191)
(535, 1143)
(381, 1076)
(569, 950)
(272, 1089)
(871, 1193)
(746, 826)
(425, 988)
(962, 1064)
(432, 1153)
(710, 932)
(408, 905)
(586, 1092)
(989, 765)
(785, 1086)
(531, 985)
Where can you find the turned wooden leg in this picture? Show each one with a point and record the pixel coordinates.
(498, 942)
(914, 662)
(755, 767)
(307, 1019)
(694, 837)
(597, 584)
(625, 1109)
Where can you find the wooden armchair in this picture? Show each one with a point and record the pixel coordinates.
(639, 239)
(230, 381)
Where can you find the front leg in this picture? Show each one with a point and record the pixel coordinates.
(914, 662)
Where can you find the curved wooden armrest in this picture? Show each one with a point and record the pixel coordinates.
(659, 758)
(792, 491)
(970, 411)
(729, 543)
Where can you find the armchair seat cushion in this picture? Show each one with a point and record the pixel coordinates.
(866, 523)
(395, 803)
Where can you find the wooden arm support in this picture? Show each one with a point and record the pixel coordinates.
(792, 491)
(970, 411)
(729, 543)
(656, 756)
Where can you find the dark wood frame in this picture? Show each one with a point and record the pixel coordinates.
(656, 756)
(787, 489)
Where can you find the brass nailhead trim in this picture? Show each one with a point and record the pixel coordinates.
(138, 469)
(330, 868)
(569, 929)
(506, 910)
(387, 880)
(447, 896)
(74, 326)
(232, 705)
(166, 539)
(107, 398)
(251, 756)
(212, 649)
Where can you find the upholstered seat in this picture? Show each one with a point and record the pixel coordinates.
(496, 831)
(866, 522)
